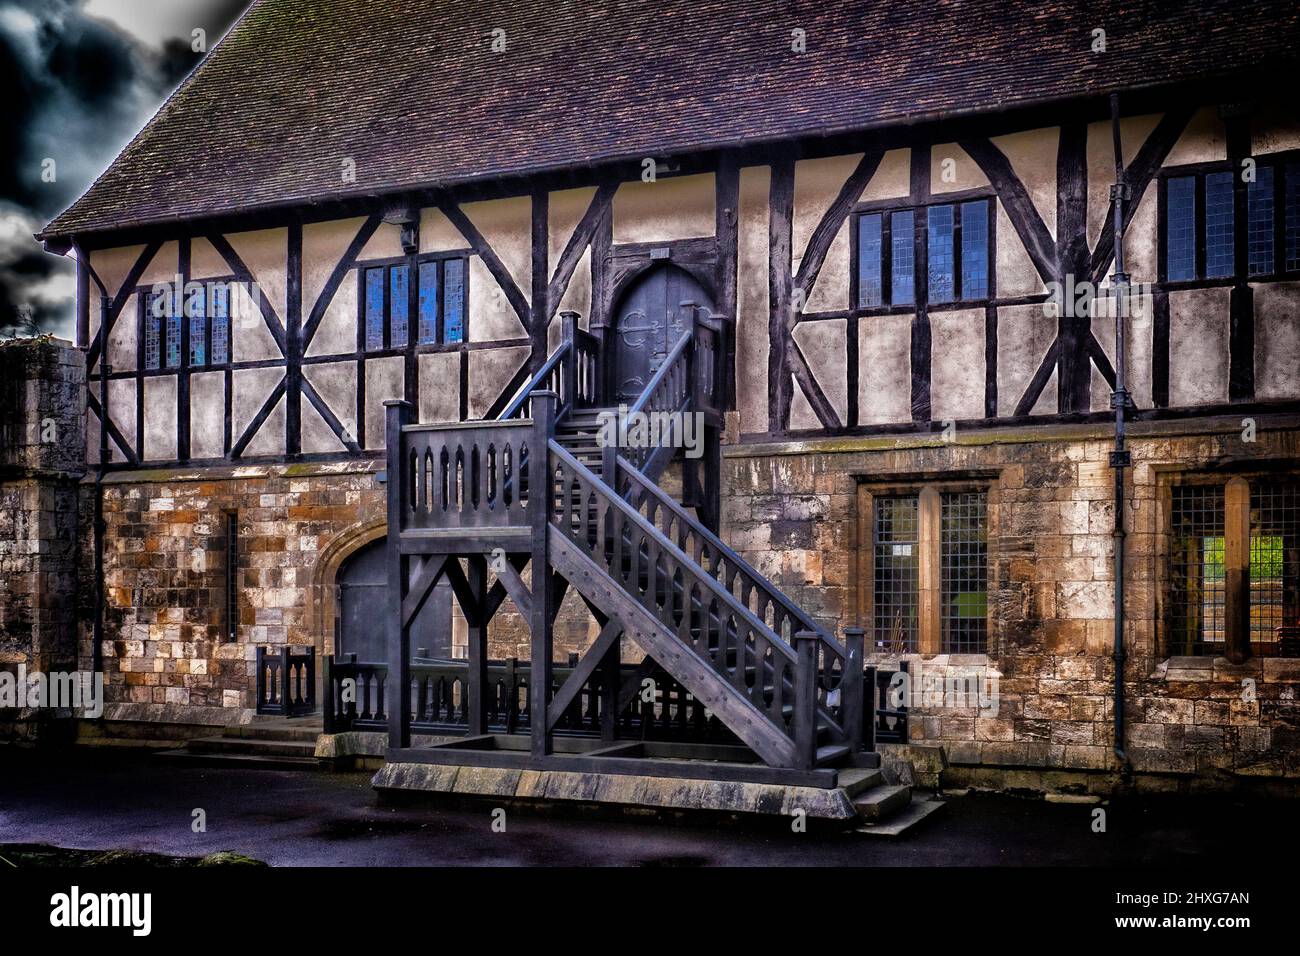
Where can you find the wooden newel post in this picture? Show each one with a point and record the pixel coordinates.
(398, 414)
(286, 681)
(569, 328)
(851, 704)
(327, 692)
(541, 500)
(805, 699)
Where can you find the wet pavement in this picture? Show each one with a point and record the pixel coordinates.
(123, 800)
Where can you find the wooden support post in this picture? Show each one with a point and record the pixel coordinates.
(610, 672)
(478, 650)
(929, 571)
(1236, 561)
(805, 700)
(286, 681)
(851, 699)
(327, 693)
(398, 414)
(569, 328)
(541, 493)
(711, 515)
(873, 703)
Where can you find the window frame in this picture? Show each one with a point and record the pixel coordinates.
(184, 331)
(1239, 487)
(1278, 163)
(886, 208)
(412, 264)
(930, 639)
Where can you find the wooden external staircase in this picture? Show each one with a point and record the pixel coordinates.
(536, 490)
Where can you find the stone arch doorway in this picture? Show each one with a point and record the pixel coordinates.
(364, 621)
(648, 321)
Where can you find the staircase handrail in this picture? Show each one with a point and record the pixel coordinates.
(801, 621)
(537, 381)
(685, 561)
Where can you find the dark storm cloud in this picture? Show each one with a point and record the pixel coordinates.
(76, 88)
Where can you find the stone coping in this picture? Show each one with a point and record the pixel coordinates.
(616, 790)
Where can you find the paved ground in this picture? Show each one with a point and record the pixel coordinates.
(99, 800)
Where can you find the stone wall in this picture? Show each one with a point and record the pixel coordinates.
(792, 511)
(166, 655)
(41, 441)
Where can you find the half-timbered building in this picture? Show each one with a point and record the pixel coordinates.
(353, 302)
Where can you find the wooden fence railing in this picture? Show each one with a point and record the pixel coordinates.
(286, 681)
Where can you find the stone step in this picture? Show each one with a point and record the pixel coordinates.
(304, 731)
(252, 761)
(253, 746)
(854, 780)
(828, 754)
(880, 801)
(919, 809)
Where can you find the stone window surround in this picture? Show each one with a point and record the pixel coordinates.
(1181, 667)
(870, 486)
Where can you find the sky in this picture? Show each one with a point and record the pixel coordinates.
(78, 79)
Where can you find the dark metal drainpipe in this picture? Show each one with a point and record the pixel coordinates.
(97, 650)
(1120, 458)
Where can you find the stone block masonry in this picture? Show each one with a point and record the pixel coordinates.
(792, 511)
(42, 443)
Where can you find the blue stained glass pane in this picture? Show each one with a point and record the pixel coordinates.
(453, 328)
(374, 309)
(975, 250)
(152, 334)
(869, 285)
(903, 259)
(196, 309)
(173, 326)
(428, 303)
(1180, 234)
(940, 259)
(1292, 223)
(1218, 225)
(220, 305)
(399, 306)
(1259, 222)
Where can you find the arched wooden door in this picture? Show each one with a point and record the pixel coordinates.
(648, 322)
(364, 618)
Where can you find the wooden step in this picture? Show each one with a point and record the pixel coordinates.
(881, 801)
(831, 753)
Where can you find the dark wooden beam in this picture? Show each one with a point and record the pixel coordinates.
(483, 249)
(124, 292)
(340, 270)
(1020, 208)
(259, 419)
(242, 274)
(293, 339)
(921, 344)
(1074, 370)
(1138, 175)
(539, 314)
(578, 243)
(335, 425)
(427, 576)
(610, 634)
(183, 372)
(780, 292)
(832, 221)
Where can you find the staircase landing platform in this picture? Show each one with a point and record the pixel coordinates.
(616, 790)
(628, 775)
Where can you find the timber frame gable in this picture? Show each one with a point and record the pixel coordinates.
(797, 376)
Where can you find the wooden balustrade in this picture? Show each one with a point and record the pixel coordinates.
(286, 681)
(354, 700)
(465, 476)
(665, 581)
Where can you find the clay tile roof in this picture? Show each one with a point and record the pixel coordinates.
(411, 91)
